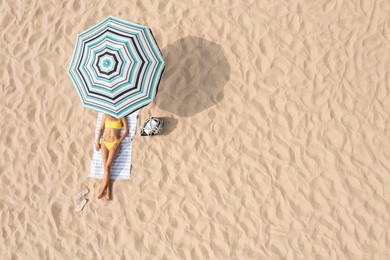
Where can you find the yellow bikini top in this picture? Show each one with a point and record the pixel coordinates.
(113, 124)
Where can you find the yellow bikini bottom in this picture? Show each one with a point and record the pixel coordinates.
(109, 145)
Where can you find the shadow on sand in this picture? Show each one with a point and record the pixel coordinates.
(195, 75)
(169, 125)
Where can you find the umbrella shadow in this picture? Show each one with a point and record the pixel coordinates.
(195, 75)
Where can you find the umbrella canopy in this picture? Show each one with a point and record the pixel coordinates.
(116, 67)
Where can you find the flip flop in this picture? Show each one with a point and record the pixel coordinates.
(81, 193)
(81, 205)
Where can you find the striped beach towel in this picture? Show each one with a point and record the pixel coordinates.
(120, 169)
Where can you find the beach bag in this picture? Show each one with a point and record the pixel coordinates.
(152, 126)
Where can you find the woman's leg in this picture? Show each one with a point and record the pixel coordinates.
(107, 170)
(105, 153)
(108, 190)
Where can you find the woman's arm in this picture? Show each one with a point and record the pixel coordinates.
(126, 132)
(101, 129)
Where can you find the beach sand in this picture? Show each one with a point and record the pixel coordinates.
(276, 146)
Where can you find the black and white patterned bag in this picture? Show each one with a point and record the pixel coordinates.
(152, 126)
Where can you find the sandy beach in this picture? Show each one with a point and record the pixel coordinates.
(276, 142)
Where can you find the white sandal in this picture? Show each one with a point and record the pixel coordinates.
(81, 205)
(81, 193)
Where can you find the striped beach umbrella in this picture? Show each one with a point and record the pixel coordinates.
(116, 67)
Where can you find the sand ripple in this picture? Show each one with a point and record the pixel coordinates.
(276, 143)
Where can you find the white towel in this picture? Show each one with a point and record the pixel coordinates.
(120, 168)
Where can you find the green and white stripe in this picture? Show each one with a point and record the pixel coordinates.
(116, 67)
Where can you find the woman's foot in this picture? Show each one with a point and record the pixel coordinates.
(108, 193)
(101, 192)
